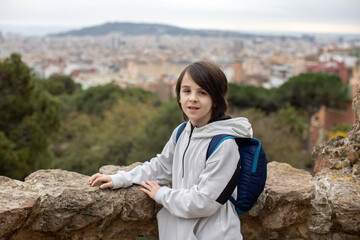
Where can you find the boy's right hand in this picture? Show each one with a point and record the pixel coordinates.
(98, 177)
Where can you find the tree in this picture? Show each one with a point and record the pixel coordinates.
(248, 96)
(28, 116)
(155, 133)
(310, 91)
(88, 141)
(59, 84)
(69, 85)
(97, 99)
(295, 119)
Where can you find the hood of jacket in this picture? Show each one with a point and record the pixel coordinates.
(238, 127)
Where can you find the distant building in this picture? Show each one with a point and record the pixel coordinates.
(91, 79)
(349, 61)
(332, 67)
(256, 71)
(254, 66)
(234, 73)
(279, 74)
(163, 88)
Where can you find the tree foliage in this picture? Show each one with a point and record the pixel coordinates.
(97, 99)
(59, 84)
(248, 96)
(309, 91)
(28, 117)
(89, 141)
(156, 132)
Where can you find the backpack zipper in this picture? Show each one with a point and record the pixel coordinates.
(183, 159)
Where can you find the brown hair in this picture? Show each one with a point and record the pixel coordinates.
(212, 79)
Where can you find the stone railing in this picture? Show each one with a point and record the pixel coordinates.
(57, 204)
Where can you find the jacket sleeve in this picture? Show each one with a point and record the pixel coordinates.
(158, 168)
(200, 200)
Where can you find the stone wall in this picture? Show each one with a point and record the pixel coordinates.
(57, 204)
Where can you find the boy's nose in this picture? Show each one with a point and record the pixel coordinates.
(193, 98)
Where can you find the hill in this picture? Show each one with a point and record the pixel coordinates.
(127, 28)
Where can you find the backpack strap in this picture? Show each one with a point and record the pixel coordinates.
(180, 130)
(230, 187)
(215, 143)
(218, 139)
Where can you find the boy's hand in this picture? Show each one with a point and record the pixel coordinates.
(98, 177)
(150, 188)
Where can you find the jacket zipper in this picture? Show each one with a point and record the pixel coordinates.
(183, 159)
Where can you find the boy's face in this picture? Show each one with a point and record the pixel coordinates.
(195, 102)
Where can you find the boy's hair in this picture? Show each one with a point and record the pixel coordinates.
(212, 79)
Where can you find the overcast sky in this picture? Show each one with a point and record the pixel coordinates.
(303, 16)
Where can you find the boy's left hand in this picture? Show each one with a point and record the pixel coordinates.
(150, 188)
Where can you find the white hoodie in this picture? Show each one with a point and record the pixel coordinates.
(190, 209)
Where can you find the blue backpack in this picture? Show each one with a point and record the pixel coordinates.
(250, 174)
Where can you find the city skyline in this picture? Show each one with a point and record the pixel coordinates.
(40, 17)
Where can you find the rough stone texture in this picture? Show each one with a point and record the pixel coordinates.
(57, 204)
(335, 210)
(284, 207)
